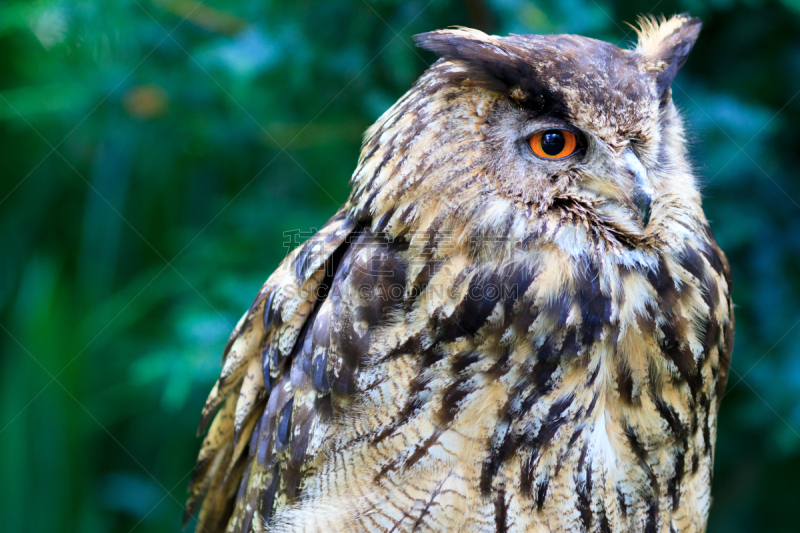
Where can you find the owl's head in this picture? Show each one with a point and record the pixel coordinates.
(503, 128)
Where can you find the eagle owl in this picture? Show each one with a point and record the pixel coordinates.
(520, 320)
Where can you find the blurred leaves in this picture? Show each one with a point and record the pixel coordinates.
(50, 98)
(189, 136)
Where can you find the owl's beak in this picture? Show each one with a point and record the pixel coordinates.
(642, 187)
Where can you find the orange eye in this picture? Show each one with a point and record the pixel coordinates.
(553, 144)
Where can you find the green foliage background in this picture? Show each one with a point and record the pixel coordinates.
(154, 152)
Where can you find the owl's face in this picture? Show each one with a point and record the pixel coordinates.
(527, 124)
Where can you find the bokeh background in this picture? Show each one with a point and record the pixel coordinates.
(154, 152)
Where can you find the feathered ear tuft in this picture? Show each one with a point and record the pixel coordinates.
(460, 43)
(492, 63)
(487, 62)
(666, 44)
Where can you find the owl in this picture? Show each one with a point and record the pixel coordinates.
(520, 321)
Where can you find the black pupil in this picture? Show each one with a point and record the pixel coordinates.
(553, 142)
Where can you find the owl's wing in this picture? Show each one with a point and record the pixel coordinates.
(274, 387)
(722, 268)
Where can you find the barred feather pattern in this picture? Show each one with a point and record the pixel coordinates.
(473, 344)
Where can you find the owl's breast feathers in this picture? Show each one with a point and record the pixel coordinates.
(395, 377)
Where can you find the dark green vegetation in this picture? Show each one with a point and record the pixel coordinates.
(145, 192)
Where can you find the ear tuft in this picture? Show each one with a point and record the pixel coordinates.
(666, 44)
(486, 61)
(459, 43)
(492, 63)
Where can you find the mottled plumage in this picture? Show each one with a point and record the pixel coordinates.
(482, 340)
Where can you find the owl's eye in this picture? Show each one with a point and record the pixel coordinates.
(553, 144)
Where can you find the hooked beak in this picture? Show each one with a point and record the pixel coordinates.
(642, 188)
